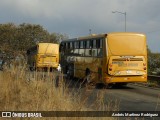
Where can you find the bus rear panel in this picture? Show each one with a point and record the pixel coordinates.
(127, 58)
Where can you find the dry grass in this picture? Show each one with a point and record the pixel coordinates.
(22, 90)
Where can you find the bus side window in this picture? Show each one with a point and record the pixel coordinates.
(81, 44)
(94, 43)
(84, 44)
(66, 50)
(81, 48)
(78, 44)
(94, 49)
(100, 53)
(76, 48)
(88, 50)
(71, 48)
(91, 44)
(70, 43)
(99, 46)
(87, 44)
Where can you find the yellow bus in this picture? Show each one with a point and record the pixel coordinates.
(113, 58)
(43, 55)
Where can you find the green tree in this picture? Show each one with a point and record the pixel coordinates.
(7, 35)
(153, 62)
(19, 38)
(57, 37)
(29, 35)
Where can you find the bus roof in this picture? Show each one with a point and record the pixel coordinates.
(94, 36)
(126, 43)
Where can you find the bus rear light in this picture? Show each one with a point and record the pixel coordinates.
(110, 69)
(144, 64)
(144, 68)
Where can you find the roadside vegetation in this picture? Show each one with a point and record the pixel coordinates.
(22, 90)
(153, 63)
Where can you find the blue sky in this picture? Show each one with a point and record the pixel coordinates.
(76, 17)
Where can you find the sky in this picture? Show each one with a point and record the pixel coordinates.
(76, 17)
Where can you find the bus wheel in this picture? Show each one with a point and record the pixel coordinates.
(119, 85)
(108, 86)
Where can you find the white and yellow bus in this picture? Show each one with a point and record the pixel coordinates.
(43, 55)
(106, 58)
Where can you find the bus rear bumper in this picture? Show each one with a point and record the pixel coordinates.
(53, 65)
(125, 79)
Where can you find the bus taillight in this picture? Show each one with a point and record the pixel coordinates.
(144, 64)
(110, 67)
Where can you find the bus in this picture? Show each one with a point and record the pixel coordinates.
(113, 58)
(43, 55)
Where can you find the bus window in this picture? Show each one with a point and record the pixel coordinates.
(91, 44)
(76, 52)
(88, 52)
(94, 44)
(94, 52)
(99, 48)
(99, 54)
(84, 42)
(87, 44)
(99, 43)
(81, 44)
(71, 45)
(81, 52)
(66, 47)
(76, 44)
